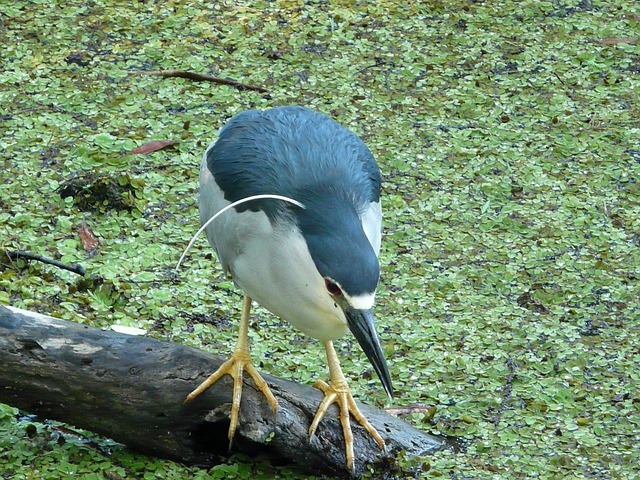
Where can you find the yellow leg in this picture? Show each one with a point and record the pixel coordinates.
(240, 361)
(337, 390)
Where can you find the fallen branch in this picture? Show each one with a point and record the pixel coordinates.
(16, 254)
(617, 41)
(199, 77)
(132, 388)
(507, 390)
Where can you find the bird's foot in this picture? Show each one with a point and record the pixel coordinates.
(239, 362)
(339, 393)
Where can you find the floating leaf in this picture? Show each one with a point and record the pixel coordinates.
(152, 147)
(411, 408)
(128, 330)
(90, 242)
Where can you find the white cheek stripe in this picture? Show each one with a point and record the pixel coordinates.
(362, 302)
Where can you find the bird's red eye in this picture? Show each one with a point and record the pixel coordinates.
(332, 288)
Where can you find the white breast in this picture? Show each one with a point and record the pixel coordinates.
(272, 265)
(276, 270)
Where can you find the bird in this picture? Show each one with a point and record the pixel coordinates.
(290, 201)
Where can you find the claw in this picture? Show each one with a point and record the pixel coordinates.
(337, 391)
(239, 362)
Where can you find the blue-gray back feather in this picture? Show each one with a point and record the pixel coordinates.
(307, 156)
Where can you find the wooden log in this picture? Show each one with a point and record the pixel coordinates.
(132, 388)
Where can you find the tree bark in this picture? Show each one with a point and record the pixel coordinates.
(132, 389)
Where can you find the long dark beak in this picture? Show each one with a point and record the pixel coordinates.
(362, 325)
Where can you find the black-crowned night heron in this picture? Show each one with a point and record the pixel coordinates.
(305, 246)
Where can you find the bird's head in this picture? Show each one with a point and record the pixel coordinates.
(348, 265)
